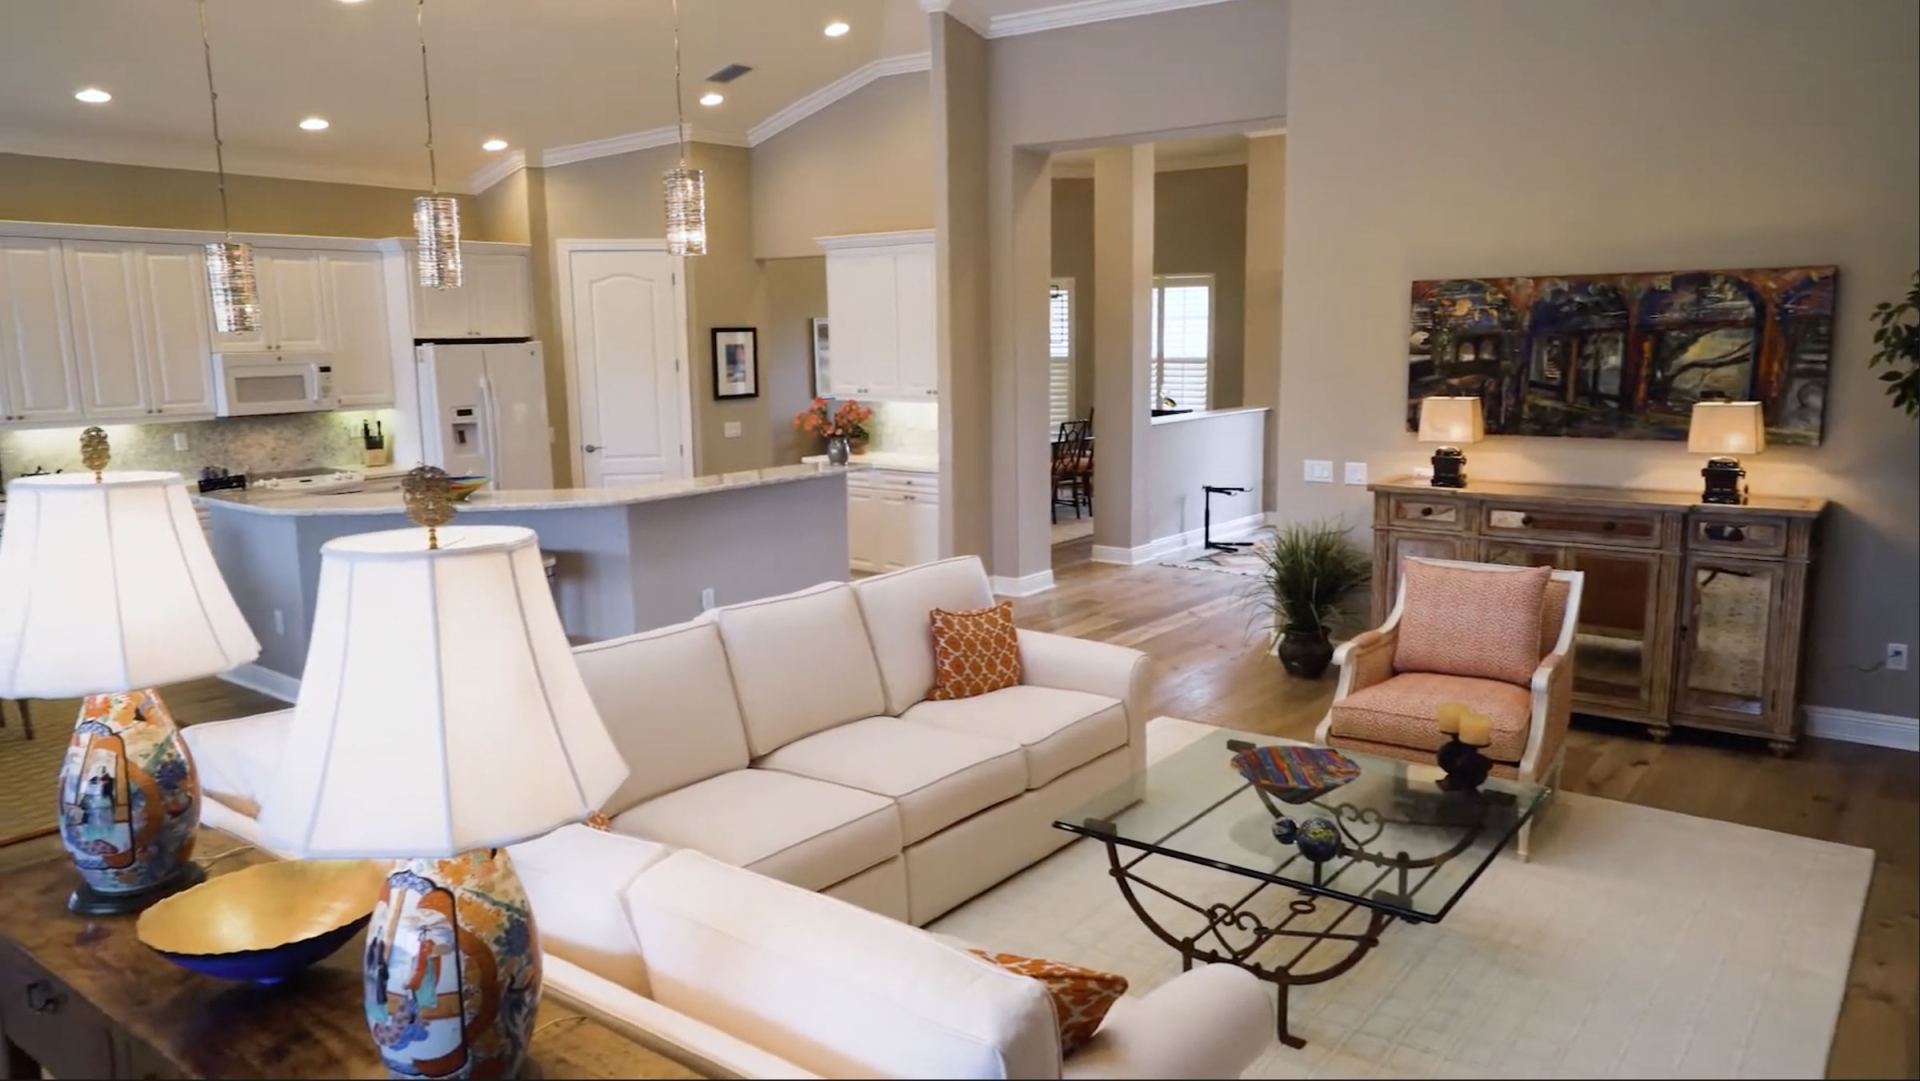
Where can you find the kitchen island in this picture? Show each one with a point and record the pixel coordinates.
(626, 559)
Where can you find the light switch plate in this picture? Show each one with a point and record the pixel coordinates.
(733, 429)
(1357, 473)
(1319, 472)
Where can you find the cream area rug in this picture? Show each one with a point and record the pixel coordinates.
(1635, 943)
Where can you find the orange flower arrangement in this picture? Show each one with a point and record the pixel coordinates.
(849, 420)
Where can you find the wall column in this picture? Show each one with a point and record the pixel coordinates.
(959, 82)
(1020, 189)
(1266, 243)
(1122, 297)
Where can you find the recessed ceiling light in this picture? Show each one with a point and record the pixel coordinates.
(93, 95)
(313, 123)
(711, 98)
(494, 144)
(837, 29)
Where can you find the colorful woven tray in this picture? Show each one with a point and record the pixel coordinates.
(1295, 774)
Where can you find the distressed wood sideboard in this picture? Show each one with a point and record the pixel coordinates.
(1694, 614)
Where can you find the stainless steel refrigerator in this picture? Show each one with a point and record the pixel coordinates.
(484, 410)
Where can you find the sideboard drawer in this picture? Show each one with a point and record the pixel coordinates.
(1426, 512)
(1626, 528)
(44, 1018)
(1758, 536)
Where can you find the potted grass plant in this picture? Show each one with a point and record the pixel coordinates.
(1307, 572)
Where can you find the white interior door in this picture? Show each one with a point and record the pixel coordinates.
(622, 329)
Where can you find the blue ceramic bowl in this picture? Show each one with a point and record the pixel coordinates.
(266, 922)
(269, 965)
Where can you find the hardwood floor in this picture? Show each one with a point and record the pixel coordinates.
(1208, 665)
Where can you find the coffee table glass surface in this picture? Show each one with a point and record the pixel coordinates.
(1408, 848)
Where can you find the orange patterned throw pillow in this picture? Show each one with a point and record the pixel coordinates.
(1081, 996)
(974, 652)
(1471, 621)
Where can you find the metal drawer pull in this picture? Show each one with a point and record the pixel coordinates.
(1426, 512)
(43, 997)
(1526, 519)
(1608, 527)
(1730, 533)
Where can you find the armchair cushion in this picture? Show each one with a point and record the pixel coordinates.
(1400, 712)
(1471, 621)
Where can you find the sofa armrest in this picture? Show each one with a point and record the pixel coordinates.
(1079, 664)
(704, 1048)
(1211, 1022)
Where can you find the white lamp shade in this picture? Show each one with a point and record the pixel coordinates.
(109, 586)
(1727, 428)
(1451, 420)
(441, 709)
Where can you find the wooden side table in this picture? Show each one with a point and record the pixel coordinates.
(82, 997)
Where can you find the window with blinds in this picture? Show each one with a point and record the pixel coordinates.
(1059, 353)
(1180, 331)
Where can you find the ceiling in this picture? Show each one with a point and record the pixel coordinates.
(537, 74)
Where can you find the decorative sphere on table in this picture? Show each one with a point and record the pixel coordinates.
(129, 800)
(1318, 840)
(1285, 830)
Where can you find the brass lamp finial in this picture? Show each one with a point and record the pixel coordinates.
(95, 453)
(429, 500)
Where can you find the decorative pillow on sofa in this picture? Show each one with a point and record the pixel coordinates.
(1081, 996)
(974, 652)
(1471, 621)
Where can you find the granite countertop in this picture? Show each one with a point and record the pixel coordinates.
(882, 459)
(265, 502)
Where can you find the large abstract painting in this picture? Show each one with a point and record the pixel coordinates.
(1626, 356)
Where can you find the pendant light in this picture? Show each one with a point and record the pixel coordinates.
(436, 217)
(686, 188)
(236, 299)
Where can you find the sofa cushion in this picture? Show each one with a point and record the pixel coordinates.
(896, 607)
(1060, 730)
(795, 829)
(236, 759)
(575, 878)
(1481, 620)
(938, 776)
(974, 653)
(801, 664)
(667, 699)
(1400, 711)
(831, 988)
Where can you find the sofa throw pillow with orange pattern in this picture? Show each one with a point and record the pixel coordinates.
(974, 652)
(1081, 996)
(1466, 621)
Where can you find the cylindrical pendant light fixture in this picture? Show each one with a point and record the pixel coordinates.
(230, 281)
(686, 188)
(436, 217)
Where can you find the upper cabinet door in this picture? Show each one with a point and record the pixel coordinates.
(861, 308)
(441, 314)
(914, 306)
(107, 333)
(293, 300)
(39, 376)
(362, 353)
(500, 301)
(172, 282)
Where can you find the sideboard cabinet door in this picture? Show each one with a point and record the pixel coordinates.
(1731, 651)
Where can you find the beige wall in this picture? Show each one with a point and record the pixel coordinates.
(1796, 144)
(99, 193)
(796, 291)
(862, 165)
(1266, 240)
(1073, 258)
(503, 212)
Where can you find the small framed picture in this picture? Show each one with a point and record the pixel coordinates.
(822, 363)
(736, 362)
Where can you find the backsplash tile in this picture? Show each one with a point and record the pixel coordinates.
(905, 428)
(240, 444)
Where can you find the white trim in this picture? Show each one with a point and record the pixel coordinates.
(273, 684)
(141, 235)
(1172, 545)
(854, 80)
(1081, 13)
(962, 10)
(497, 170)
(1023, 587)
(898, 239)
(1858, 726)
(610, 146)
(1125, 557)
(1264, 133)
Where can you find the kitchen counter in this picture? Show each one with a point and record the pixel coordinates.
(882, 459)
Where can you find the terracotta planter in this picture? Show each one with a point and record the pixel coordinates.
(1306, 653)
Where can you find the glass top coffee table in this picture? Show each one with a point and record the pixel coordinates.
(1408, 851)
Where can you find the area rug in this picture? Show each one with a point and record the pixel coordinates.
(1242, 562)
(1636, 943)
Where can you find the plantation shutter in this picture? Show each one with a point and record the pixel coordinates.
(1059, 353)
(1181, 333)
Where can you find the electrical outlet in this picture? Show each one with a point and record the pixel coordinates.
(733, 429)
(179, 441)
(279, 623)
(1357, 473)
(706, 599)
(1318, 472)
(1896, 656)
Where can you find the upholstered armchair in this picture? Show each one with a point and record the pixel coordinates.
(1388, 694)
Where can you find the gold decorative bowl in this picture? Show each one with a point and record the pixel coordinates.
(266, 922)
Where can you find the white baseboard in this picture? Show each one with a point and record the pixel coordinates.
(265, 680)
(1038, 582)
(1857, 726)
(1126, 557)
(1161, 548)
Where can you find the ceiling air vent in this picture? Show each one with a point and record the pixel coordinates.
(728, 73)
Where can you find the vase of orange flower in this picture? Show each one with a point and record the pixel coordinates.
(842, 427)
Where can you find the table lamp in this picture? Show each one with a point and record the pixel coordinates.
(1724, 429)
(1451, 421)
(441, 717)
(107, 590)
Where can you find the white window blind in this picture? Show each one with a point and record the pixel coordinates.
(1181, 334)
(1059, 353)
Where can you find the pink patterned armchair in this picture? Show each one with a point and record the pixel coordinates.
(1463, 632)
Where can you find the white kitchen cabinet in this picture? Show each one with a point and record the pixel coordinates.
(882, 306)
(140, 334)
(291, 285)
(495, 300)
(172, 284)
(39, 373)
(893, 519)
(356, 292)
(863, 527)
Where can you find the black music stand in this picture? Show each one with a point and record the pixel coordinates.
(1206, 521)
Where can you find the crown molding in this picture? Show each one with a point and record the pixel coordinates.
(612, 146)
(1080, 13)
(835, 90)
(962, 10)
(497, 170)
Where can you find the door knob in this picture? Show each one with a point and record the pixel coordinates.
(590, 448)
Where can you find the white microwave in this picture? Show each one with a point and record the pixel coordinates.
(254, 384)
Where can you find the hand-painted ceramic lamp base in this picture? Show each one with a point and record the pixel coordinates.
(453, 968)
(129, 805)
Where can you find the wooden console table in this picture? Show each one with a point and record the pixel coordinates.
(83, 998)
(1693, 614)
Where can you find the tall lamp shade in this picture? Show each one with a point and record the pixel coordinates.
(1451, 421)
(1723, 430)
